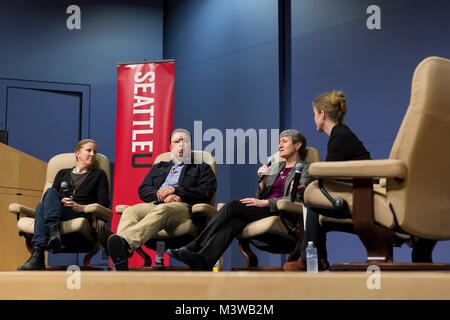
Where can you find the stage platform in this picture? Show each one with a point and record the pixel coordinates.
(110, 285)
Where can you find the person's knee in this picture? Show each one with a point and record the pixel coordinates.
(135, 211)
(234, 204)
(127, 212)
(51, 192)
(129, 217)
(233, 207)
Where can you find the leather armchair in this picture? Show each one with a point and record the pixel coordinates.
(78, 235)
(412, 200)
(186, 231)
(273, 235)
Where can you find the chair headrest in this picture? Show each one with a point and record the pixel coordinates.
(196, 156)
(312, 155)
(68, 160)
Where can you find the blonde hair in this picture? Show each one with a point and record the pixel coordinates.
(333, 104)
(82, 142)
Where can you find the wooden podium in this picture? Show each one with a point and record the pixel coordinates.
(22, 180)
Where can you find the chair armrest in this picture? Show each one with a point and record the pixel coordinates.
(16, 208)
(388, 168)
(289, 206)
(120, 208)
(204, 209)
(99, 211)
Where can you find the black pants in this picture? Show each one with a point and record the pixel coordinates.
(223, 228)
(314, 232)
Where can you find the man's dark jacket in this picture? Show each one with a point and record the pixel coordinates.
(197, 183)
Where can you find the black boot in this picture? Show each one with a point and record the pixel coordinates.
(36, 261)
(54, 241)
(119, 251)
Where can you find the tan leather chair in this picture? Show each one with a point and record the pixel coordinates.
(271, 234)
(413, 198)
(78, 235)
(186, 231)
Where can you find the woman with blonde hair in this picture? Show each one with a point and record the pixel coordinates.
(329, 111)
(73, 189)
(343, 145)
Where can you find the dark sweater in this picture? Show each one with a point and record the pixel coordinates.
(197, 183)
(93, 189)
(343, 145)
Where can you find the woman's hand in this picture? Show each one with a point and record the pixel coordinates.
(253, 202)
(301, 188)
(68, 202)
(263, 170)
(164, 192)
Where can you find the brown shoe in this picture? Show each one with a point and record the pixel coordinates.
(300, 265)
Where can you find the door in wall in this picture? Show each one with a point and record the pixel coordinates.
(44, 119)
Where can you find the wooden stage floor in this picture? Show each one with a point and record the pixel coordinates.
(103, 285)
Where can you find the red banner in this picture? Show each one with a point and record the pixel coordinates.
(145, 94)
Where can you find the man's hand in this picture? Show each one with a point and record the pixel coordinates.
(253, 202)
(164, 192)
(172, 198)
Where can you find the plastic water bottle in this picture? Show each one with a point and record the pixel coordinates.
(312, 264)
(218, 267)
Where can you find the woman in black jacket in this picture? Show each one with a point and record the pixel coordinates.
(343, 145)
(73, 189)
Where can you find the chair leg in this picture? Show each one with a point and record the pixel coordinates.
(252, 259)
(90, 254)
(422, 250)
(145, 256)
(295, 254)
(28, 239)
(377, 240)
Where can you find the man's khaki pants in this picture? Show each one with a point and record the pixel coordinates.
(141, 222)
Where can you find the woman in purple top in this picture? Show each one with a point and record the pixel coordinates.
(206, 249)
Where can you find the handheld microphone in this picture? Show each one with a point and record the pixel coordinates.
(298, 172)
(65, 189)
(267, 163)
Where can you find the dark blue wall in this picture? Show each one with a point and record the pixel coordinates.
(36, 45)
(226, 74)
(226, 68)
(333, 49)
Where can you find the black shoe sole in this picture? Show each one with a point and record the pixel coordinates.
(193, 260)
(35, 269)
(173, 253)
(118, 252)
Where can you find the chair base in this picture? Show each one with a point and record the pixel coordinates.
(257, 269)
(386, 266)
(160, 268)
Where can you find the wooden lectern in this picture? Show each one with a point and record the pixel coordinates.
(22, 179)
